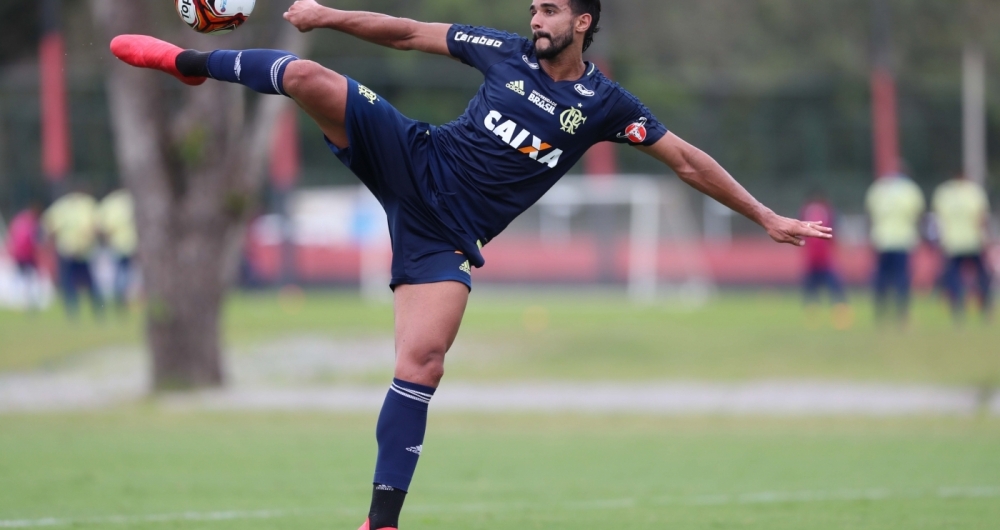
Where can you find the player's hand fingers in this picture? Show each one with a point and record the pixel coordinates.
(818, 225)
(793, 232)
(813, 229)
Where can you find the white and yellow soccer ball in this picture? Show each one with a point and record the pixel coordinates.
(214, 16)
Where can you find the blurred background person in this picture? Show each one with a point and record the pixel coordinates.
(22, 245)
(895, 205)
(962, 211)
(71, 224)
(821, 269)
(116, 224)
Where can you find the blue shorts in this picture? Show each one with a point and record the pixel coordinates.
(389, 153)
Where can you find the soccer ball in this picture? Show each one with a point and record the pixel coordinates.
(214, 16)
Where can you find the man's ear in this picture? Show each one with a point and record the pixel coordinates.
(583, 22)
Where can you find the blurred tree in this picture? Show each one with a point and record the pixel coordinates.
(195, 168)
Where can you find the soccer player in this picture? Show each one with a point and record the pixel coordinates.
(895, 206)
(116, 223)
(449, 190)
(963, 213)
(821, 266)
(22, 245)
(71, 223)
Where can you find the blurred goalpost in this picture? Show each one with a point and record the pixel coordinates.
(656, 212)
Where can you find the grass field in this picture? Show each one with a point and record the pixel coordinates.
(149, 466)
(152, 469)
(589, 336)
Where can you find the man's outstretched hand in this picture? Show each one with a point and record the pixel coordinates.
(305, 15)
(793, 231)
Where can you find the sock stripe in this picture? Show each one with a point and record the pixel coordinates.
(427, 395)
(412, 394)
(276, 69)
(416, 396)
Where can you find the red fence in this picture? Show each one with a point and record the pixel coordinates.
(580, 260)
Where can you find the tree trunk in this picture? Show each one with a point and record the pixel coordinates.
(187, 272)
(195, 172)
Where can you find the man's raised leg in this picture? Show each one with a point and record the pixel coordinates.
(321, 92)
(427, 320)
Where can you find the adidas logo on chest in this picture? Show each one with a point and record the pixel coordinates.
(517, 86)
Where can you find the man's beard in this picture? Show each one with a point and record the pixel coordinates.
(556, 44)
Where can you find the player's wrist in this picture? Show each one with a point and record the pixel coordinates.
(329, 18)
(764, 216)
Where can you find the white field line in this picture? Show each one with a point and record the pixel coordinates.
(626, 503)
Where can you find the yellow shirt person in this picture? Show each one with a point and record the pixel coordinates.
(71, 222)
(961, 208)
(895, 204)
(116, 220)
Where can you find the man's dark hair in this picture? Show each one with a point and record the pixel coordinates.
(593, 7)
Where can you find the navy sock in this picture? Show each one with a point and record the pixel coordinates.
(259, 70)
(400, 433)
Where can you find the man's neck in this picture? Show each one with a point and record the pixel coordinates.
(567, 66)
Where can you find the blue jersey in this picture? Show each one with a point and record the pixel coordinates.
(522, 132)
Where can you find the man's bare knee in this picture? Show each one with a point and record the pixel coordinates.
(424, 367)
(432, 372)
(303, 78)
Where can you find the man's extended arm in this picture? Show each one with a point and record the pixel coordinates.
(704, 174)
(392, 32)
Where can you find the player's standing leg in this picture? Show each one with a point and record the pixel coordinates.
(955, 288)
(427, 320)
(94, 295)
(881, 283)
(904, 281)
(67, 284)
(983, 282)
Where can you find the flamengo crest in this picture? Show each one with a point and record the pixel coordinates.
(571, 120)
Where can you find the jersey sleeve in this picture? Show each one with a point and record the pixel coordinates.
(630, 122)
(481, 47)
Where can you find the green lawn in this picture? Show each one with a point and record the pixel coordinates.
(589, 336)
(147, 467)
(501, 472)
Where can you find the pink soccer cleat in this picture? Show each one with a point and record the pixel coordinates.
(147, 52)
(366, 527)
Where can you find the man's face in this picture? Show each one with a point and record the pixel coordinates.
(552, 27)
